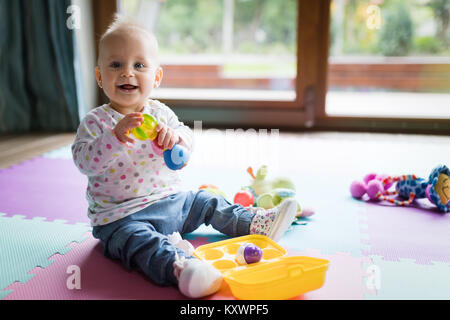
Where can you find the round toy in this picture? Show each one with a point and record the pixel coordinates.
(244, 198)
(177, 157)
(147, 130)
(248, 253)
(371, 184)
(358, 189)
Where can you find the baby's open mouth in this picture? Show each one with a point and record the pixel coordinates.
(128, 87)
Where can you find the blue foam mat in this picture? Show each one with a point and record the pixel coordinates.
(29, 243)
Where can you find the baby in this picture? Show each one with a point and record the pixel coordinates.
(135, 200)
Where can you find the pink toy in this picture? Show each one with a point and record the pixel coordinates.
(371, 184)
(377, 188)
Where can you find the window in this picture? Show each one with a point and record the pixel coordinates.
(389, 59)
(241, 50)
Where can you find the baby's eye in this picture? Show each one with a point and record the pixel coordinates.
(115, 64)
(139, 65)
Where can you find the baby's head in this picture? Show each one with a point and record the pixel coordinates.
(127, 66)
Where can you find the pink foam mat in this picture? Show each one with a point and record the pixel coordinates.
(43, 187)
(344, 279)
(417, 232)
(100, 279)
(103, 279)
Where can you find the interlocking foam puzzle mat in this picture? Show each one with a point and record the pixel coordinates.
(376, 251)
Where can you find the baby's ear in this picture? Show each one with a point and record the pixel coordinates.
(98, 76)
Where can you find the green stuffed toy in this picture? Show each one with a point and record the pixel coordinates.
(270, 193)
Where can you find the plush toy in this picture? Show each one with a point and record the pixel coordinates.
(268, 193)
(408, 187)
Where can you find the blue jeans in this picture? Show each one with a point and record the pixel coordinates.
(140, 239)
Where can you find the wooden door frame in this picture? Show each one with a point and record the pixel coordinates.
(103, 13)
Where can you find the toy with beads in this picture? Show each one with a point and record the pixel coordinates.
(407, 188)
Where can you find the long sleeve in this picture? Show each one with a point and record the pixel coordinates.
(123, 178)
(95, 147)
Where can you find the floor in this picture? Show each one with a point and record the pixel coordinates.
(20, 147)
(376, 251)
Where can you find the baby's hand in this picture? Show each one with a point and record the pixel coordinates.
(130, 121)
(167, 137)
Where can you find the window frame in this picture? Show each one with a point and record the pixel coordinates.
(358, 123)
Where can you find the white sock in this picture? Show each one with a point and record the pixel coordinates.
(196, 278)
(274, 222)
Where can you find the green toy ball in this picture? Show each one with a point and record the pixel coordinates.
(147, 130)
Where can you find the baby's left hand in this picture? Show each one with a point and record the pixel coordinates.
(167, 137)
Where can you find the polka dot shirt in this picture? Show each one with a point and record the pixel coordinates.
(124, 178)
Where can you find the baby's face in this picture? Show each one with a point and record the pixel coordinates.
(128, 70)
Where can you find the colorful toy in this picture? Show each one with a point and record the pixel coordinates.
(244, 198)
(275, 276)
(261, 186)
(268, 193)
(248, 253)
(408, 187)
(175, 158)
(213, 189)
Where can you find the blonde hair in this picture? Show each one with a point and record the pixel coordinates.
(121, 23)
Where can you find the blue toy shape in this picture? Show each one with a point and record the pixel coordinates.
(177, 157)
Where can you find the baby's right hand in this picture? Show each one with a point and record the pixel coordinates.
(130, 121)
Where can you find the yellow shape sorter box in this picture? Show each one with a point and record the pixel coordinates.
(273, 277)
